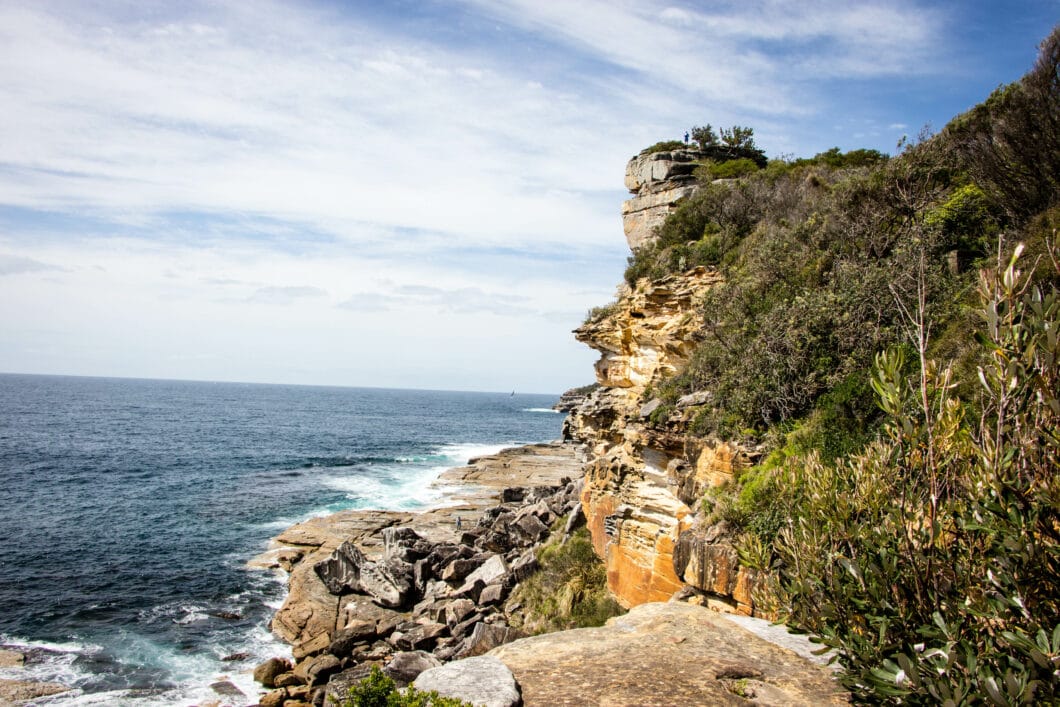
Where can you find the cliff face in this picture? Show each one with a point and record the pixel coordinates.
(658, 181)
(643, 475)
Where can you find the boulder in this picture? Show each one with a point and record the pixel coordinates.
(317, 669)
(530, 527)
(423, 636)
(492, 569)
(356, 632)
(492, 594)
(315, 644)
(460, 568)
(226, 688)
(388, 583)
(404, 667)
(483, 681)
(486, 637)
(575, 520)
(458, 610)
(273, 698)
(266, 672)
(405, 544)
(341, 572)
(289, 679)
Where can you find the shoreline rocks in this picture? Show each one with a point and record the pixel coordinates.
(408, 591)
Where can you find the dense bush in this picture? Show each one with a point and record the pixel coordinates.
(731, 169)
(931, 560)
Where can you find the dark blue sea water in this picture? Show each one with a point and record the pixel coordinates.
(130, 508)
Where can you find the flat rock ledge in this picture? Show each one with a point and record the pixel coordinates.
(664, 654)
(21, 692)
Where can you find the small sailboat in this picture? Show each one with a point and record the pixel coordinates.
(512, 395)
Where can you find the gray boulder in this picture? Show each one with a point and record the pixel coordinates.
(341, 572)
(483, 681)
(406, 666)
(485, 637)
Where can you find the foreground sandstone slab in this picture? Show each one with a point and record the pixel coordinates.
(664, 654)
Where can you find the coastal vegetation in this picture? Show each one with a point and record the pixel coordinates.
(380, 690)
(886, 336)
(569, 589)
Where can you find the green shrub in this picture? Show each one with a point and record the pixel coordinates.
(379, 690)
(664, 146)
(931, 560)
(597, 313)
(569, 590)
(731, 169)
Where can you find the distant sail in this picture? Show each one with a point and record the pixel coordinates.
(512, 395)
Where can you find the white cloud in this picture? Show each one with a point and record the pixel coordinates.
(19, 265)
(300, 192)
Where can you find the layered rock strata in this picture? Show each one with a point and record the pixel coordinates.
(405, 591)
(659, 182)
(645, 476)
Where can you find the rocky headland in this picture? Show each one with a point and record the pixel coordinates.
(434, 599)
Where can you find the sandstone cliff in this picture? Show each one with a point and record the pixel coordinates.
(643, 477)
(658, 181)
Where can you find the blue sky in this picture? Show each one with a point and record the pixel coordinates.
(405, 194)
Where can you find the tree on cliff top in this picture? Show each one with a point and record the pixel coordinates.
(733, 143)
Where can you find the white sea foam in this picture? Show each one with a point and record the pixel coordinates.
(549, 410)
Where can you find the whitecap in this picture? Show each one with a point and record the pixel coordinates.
(549, 410)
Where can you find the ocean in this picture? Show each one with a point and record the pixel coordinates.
(130, 509)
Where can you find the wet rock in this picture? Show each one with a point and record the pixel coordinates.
(266, 672)
(11, 659)
(234, 657)
(227, 689)
(16, 692)
(483, 681)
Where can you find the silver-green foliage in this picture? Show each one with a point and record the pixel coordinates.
(930, 561)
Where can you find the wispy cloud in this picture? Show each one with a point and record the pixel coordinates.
(19, 265)
(218, 177)
(285, 295)
(461, 300)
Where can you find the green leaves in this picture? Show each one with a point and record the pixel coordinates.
(932, 563)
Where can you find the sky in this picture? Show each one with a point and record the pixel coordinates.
(409, 194)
